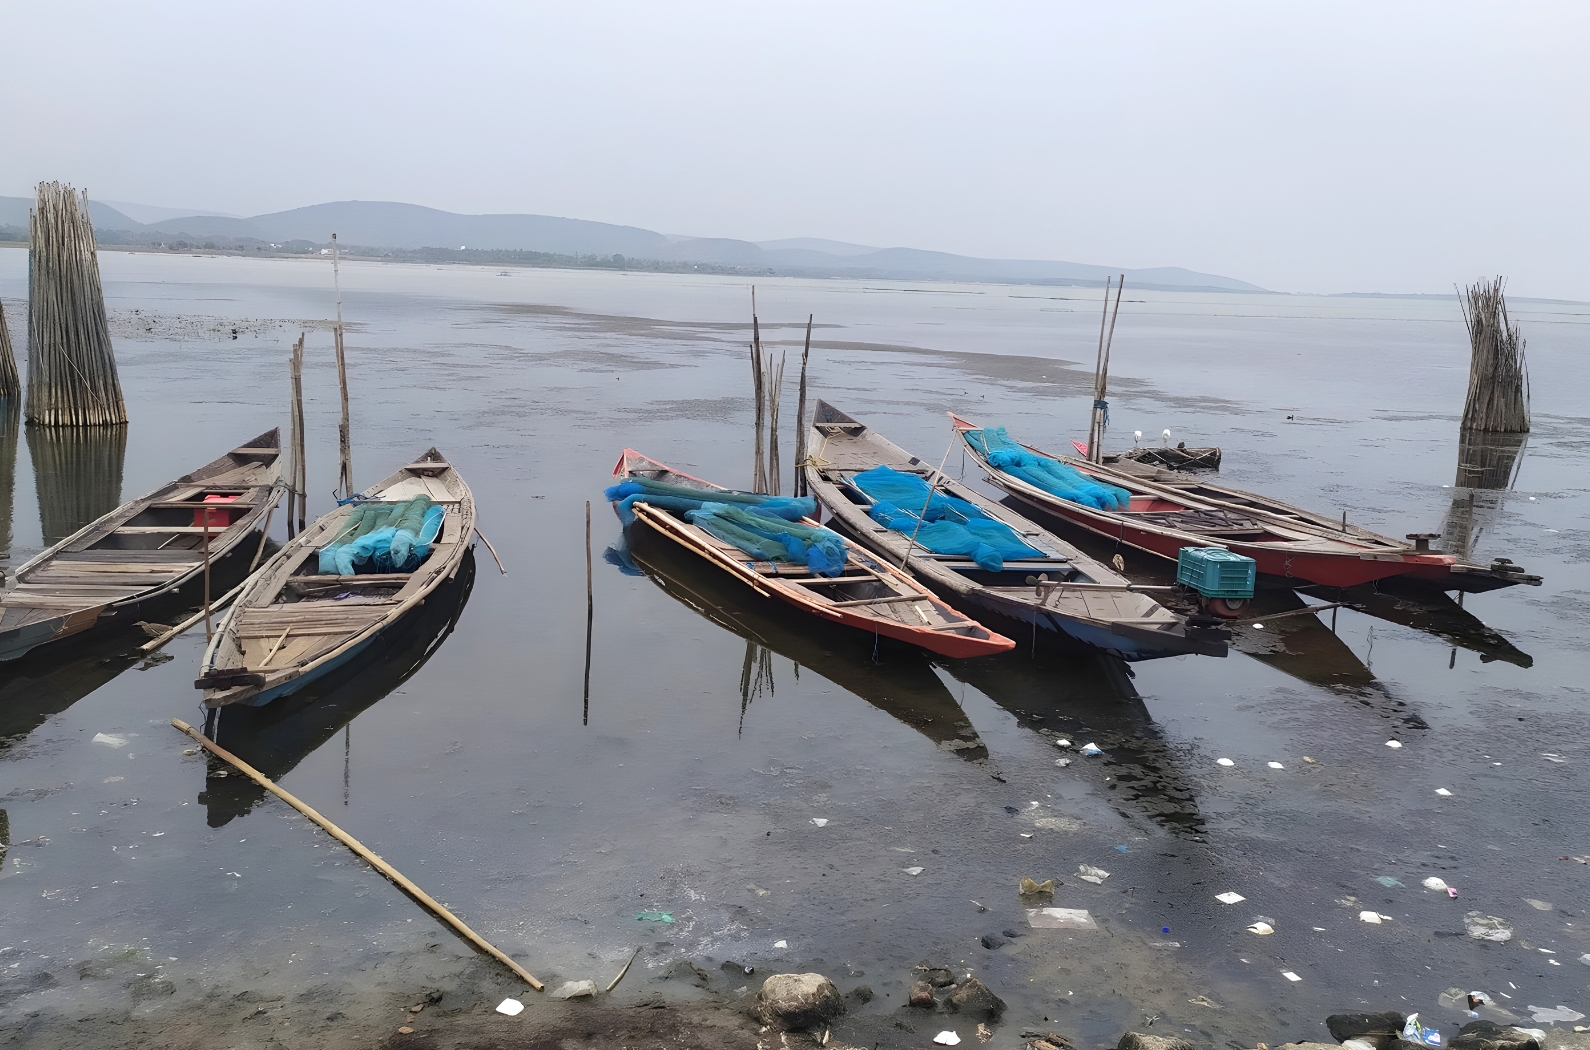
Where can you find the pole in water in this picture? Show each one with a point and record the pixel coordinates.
(590, 615)
(358, 847)
(207, 632)
(344, 434)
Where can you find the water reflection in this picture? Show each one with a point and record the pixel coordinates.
(10, 423)
(1296, 642)
(77, 471)
(1434, 612)
(1486, 463)
(44, 684)
(1092, 699)
(895, 678)
(276, 737)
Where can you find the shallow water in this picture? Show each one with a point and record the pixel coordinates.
(687, 775)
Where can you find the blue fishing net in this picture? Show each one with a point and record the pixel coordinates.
(949, 525)
(771, 538)
(766, 527)
(680, 499)
(380, 537)
(1050, 475)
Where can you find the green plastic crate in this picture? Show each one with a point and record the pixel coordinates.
(1215, 572)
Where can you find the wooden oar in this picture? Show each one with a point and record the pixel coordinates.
(354, 844)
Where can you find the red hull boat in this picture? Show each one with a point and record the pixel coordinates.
(1287, 542)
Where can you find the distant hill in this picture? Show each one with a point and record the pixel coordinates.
(389, 225)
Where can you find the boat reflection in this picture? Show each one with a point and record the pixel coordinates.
(276, 737)
(1433, 612)
(1091, 699)
(41, 685)
(1279, 632)
(900, 681)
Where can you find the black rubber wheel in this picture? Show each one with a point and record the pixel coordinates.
(1227, 608)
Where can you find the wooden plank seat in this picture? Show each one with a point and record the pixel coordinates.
(175, 557)
(188, 504)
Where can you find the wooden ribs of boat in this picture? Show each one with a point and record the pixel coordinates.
(1082, 599)
(142, 550)
(869, 594)
(293, 623)
(1287, 542)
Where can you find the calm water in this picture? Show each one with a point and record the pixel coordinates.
(714, 730)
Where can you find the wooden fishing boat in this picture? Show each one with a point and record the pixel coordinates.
(869, 594)
(1287, 542)
(1082, 604)
(293, 624)
(142, 552)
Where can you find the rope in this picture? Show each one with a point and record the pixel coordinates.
(1104, 406)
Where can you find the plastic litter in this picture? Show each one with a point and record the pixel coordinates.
(1290, 976)
(1388, 882)
(1451, 891)
(781, 944)
(511, 1007)
(1258, 627)
(947, 1039)
(1537, 905)
(820, 821)
(1276, 765)
(110, 739)
(1122, 849)
(1484, 927)
(1031, 886)
(1415, 1032)
(1561, 1013)
(1585, 958)
(913, 872)
(1060, 919)
(1230, 897)
(1434, 883)
(1443, 792)
(1224, 762)
(575, 990)
(1394, 744)
(1062, 762)
(655, 916)
(1062, 742)
(1088, 873)
(1092, 749)
(1263, 929)
(1369, 916)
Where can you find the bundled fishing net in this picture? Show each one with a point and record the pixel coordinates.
(948, 526)
(681, 499)
(1050, 475)
(766, 527)
(383, 537)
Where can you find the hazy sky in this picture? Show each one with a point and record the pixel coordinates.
(1305, 147)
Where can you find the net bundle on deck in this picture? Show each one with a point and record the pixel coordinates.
(947, 525)
(383, 537)
(72, 379)
(769, 528)
(1050, 475)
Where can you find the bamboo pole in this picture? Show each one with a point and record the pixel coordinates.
(10, 382)
(208, 634)
(1098, 365)
(800, 416)
(758, 379)
(354, 844)
(72, 379)
(775, 392)
(590, 619)
(297, 481)
(493, 550)
(1101, 377)
(625, 970)
(264, 534)
(344, 435)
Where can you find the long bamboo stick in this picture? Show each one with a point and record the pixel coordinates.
(358, 847)
(775, 393)
(344, 434)
(220, 603)
(800, 416)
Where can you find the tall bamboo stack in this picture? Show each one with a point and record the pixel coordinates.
(72, 379)
(1498, 397)
(10, 424)
(10, 383)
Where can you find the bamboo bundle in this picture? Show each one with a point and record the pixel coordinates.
(72, 379)
(78, 474)
(10, 383)
(1498, 397)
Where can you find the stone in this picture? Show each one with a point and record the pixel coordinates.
(974, 999)
(1562, 1039)
(574, 990)
(1376, 1029)
(794, 1001)
(992, 941)
(938, 976)
(1488, 1035)
(1139, 1041)
(921, 995)
(862, 994)
(405, 1030)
